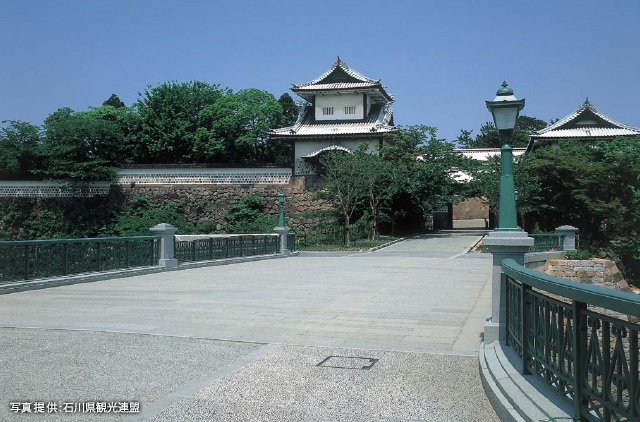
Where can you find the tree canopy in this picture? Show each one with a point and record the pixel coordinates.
(488, 135)
(235, 127)
(170, 117)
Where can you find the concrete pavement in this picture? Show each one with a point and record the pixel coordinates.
(420, 304)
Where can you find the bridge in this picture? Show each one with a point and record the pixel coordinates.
(283, 339)
(399, 334)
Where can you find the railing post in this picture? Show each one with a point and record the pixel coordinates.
(569, 240)
(98, 249)
(65, 258)
(525, 309)
(126, 253)
(26, 262)
(210, 248)
(226, 247)
(502, 244)
(166, 233)
(579, 349)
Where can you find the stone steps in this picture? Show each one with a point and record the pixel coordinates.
(516, 398)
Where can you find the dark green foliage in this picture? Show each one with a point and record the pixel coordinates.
(235, 127)
(248, 217)
(143, 215)
(422, 171)
(81, 147)
(486, 184)
(489, 138)
(29, 219)
(19, 142)
(114, 101)
(170, 118)
(290, 109)
(580, 255)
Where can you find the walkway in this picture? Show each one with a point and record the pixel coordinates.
(418, 307)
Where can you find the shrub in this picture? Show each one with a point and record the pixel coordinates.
(248, 217)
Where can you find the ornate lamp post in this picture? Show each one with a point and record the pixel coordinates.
(508, 240)
(505, 109)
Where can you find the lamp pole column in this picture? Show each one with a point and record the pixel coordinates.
(507, 217)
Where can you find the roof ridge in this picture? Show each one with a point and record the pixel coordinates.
(349, 71)
(586, 105)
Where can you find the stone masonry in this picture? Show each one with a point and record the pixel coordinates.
(204, 203)
(601, 272)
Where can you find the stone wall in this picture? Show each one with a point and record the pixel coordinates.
(204, 203)
(602, 272)
(470, 209)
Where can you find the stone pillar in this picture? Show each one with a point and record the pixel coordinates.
(282, 231)
(166, 232)
(569, 233)
(502, 244)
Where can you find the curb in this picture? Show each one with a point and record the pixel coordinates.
(393, 242)
(45, 283)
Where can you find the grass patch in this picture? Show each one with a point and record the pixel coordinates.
(360, 245)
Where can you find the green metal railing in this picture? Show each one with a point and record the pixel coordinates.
(543, 242)
(226, 247)
(588, 358)
(29, 259)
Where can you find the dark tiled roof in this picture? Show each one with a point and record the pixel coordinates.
(378, 121)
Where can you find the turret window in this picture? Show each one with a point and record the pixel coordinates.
(350, 110)
(327, 111)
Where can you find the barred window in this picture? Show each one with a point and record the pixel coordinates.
(350, 110)
(327, 111)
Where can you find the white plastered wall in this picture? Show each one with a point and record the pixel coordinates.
(339, 102)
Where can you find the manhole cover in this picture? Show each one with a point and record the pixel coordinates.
(348, 362)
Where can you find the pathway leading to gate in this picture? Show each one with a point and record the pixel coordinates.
(243, 341)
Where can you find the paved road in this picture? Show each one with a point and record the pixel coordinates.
(418, 306)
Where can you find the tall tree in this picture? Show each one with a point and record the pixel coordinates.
(426, 166)
(170, 116)
(344, 184)
(235, 128)
(488, 136)
(80, 147)
(19, 142)
(290, 109)
(113, 101)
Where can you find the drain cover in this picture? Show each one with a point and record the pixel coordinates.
(348, 362)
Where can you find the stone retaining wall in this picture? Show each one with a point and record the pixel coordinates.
(602, 272)
(205, 203)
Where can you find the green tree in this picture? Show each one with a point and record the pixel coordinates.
(113, 101)
(424, 168)
(488, 136)
(235, 128)
(290, 109)
(80, 146)
(377, 189)
(588, 186)
(485, 184)
(344, 184)
(19, 142)
(127, 122)
(170, 118)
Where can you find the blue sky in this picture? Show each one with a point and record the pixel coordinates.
(440, 59)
